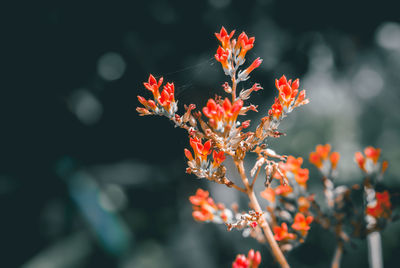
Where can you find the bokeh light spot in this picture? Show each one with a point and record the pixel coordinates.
(111, 66)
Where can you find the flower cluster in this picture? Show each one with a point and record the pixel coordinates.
(162, 104)
(292, 204)
(292, 168)
(205, 209)
(245, 220)
(369, 163)
(342, 215)
(324, 159)
(252, 260)
(382, 206)
(231, 54)
(217, 131)
(287, 101)
(222, 117)
(201, 166)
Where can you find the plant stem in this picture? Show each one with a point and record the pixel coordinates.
(255, 178)
(374, 250)
(374, 238)
(239, 188)
(338, 255)
(276, 251)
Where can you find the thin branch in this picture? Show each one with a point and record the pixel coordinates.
(255, 178)
(338, 255)
(239, 188)
(276, 251)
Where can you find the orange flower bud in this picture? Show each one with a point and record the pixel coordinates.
(334, 158)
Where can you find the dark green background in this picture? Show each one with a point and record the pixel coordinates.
(52, 49)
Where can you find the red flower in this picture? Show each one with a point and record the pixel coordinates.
(231, 111)
(167, 96)
(276, 110)
(281, 233)
(218, 158)
(293, 165)
(188, 154)
(215, 112)
(382, 207)
(256, 63)
(245, 43)
(321, 154)
(303, 203)
(224, 38)
(385, 165)
(302, 223)
(241, 262)
(315, 159)
(334, 158)
(252, 260)
(283, 190)
(372, 153)
(200, 151)
(323, 150)
(203, 206)
(287, 90)
(222, 56)
(149, 104)
(220, 116)
(268, 194)
(301, 176)
(287, 97)
(153, 86)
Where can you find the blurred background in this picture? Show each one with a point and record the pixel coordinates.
(86, 182)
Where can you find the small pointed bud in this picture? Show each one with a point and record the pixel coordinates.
(385, 165)
(188, 154)
(257, 259)
(253, 224)
(227, 88)
(250, 255)
(334, 158)
(142, 111)
(246, 124)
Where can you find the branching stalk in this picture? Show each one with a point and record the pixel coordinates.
(374, 250)
(276, 251)
(338, 255)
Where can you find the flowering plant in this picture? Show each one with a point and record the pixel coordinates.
(219, 130)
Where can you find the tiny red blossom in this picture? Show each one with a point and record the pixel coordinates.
(322, 154)
(286, 100)
(153, 85)
(334, 158)
(252, 260)
(302, 223)
(283, 190)
(371, 156)
(222, 115)
(304, 204)
(372, 153)
(268, 194)
(245, 43)
(256, 63)
(382, 206)
(281, 233)
(222, 57)
(203, 206)
(218, 157)
(200, 151)
(224, 37)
